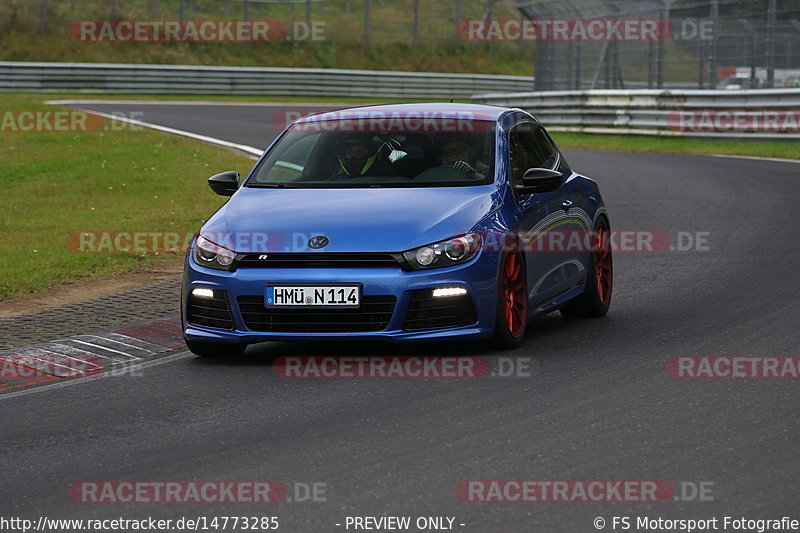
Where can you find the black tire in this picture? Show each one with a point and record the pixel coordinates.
(511, 294)
(214, 349)
(596, 297)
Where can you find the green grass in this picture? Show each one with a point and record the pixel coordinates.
(673, 145)
(58, 183)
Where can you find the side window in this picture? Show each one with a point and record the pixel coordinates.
(522, 156)
(544, 150)
(529, 147)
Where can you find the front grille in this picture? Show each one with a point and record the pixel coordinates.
(322, 260)
(427, 312)
(210, 312)
(374, 314)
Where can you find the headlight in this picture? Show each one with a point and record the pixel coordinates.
(446, 253)
(211, 255)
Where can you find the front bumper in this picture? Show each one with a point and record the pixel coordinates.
(478, 277)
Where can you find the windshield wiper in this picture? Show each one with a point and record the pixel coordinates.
(271, 185)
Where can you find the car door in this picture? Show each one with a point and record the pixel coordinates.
(546, 224)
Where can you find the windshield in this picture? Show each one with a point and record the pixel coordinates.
(403, 152)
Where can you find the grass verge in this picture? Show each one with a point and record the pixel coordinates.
(58, 183)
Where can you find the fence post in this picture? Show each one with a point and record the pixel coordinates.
(487, 13)
(660, 48)
(701, 64)
(308, 14)
(415, 29)
(712, 80)
(796, 24)
(43, 16)
(367, 7)
(457, 16)
(751, 51)
(771, 43)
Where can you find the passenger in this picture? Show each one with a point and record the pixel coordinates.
(458, 153)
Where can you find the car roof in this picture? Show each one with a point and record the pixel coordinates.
(452, 110)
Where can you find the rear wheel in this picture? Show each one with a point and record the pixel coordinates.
(596, 297)
(215, 349)
(512, 301)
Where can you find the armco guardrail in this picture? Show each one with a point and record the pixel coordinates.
(185, 79)
(764, 113)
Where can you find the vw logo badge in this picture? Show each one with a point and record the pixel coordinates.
(318, 241)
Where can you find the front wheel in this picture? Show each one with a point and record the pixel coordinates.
(512, 301)
(596, 297)
(215, 349)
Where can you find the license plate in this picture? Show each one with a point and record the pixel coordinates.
(312, 296)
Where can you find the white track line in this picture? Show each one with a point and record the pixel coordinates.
(67, 356)
(255, 153)
(110, 373)
(60, 345)
(200, 102)
(118, 342)
(85, 343)
(756, 158)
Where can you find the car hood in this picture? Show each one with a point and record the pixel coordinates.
(355, 220)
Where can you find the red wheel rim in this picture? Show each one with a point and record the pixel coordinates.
(603, 268)
(514, 294)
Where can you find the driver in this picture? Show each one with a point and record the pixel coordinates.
(457, 153)
(356, 156)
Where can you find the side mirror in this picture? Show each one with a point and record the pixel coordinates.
(539, 180)
(225, 183)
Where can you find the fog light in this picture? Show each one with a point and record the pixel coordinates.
(202, 293)
(449, 291)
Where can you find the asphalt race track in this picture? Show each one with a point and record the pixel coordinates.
(598, 403)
